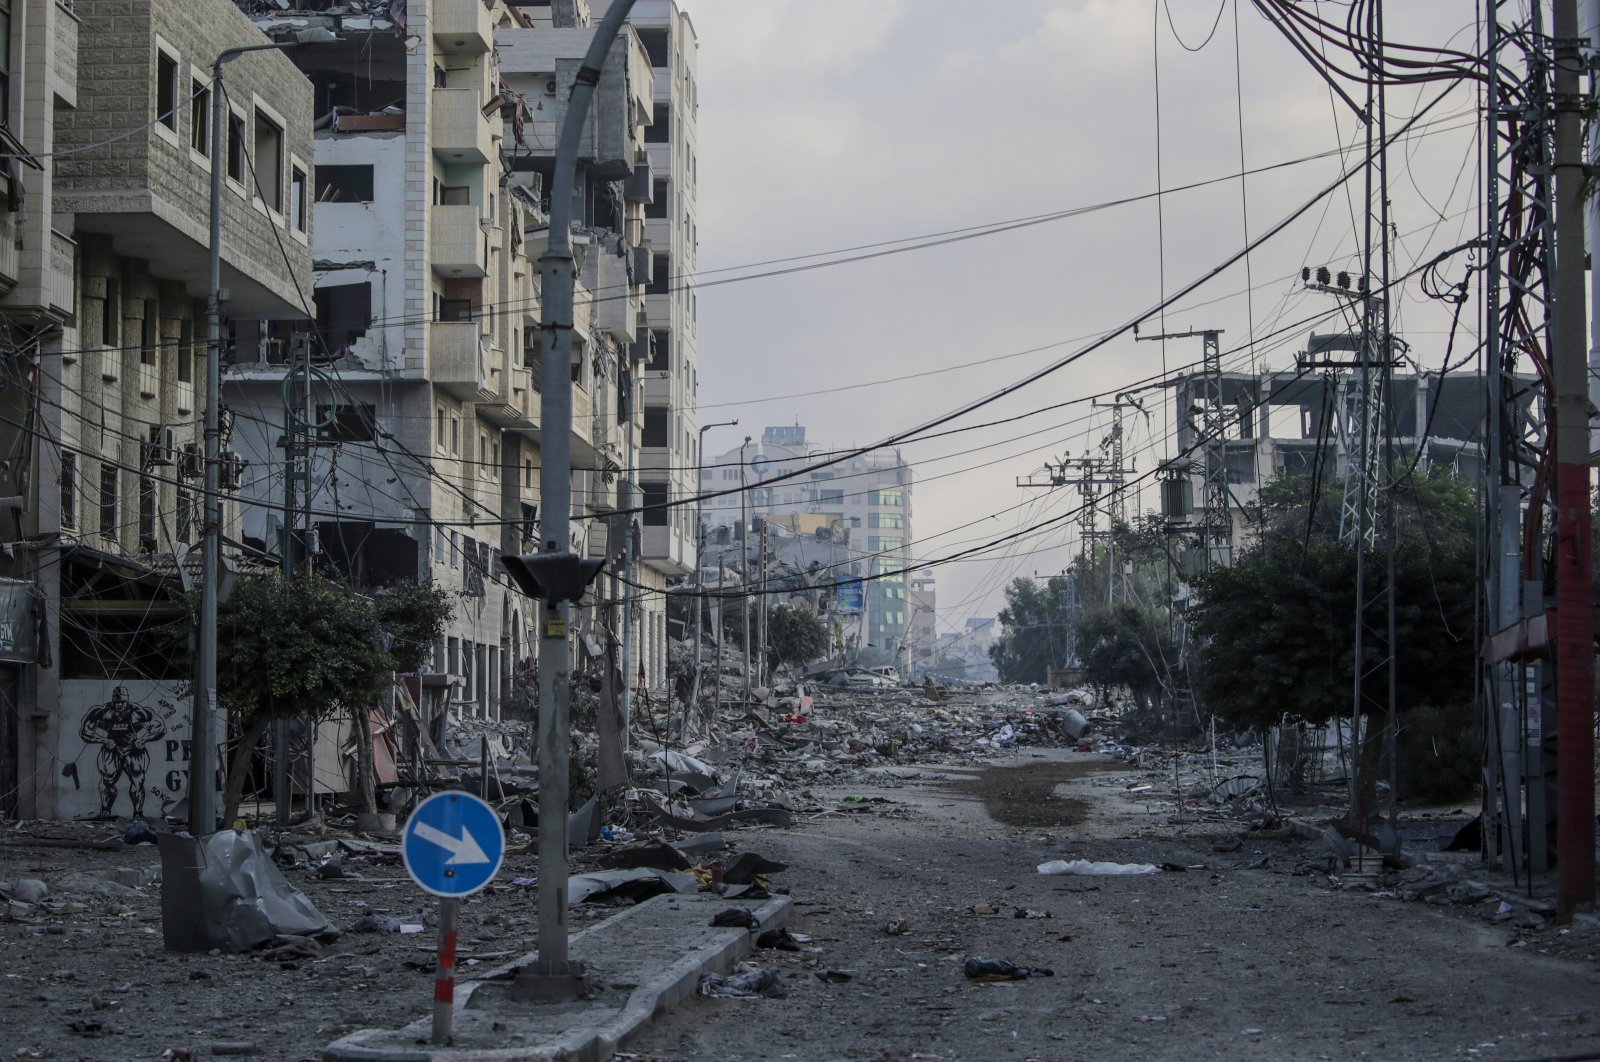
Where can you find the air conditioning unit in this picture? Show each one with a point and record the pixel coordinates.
(230, 471)
(550, 87)
(161, 450)
(192, 462)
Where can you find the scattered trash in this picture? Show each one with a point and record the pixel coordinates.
(736, 918)
(377, 923)
(1088, 868)
(782, 940)
(138, 832)
(979, 968)
(626, 886)
(834, 977)
(761, 981)
(1028, 912)
(896, 927)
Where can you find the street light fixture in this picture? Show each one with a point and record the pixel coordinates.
(202, 809)
(699, 560)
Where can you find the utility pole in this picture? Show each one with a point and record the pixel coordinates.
(630, 577)
(202, 752)
(699, 572)
(761, 636)
(556, 574)
(744, 564)
(296, 474)
(1574, 641)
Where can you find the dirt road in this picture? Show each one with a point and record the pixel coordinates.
(1221, 961)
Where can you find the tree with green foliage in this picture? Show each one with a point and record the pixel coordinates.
(1035, 630)
(1278, 626)
(1127, 645)
(315, 649)
(795, 636)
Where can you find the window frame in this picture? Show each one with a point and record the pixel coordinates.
(68, 514)
(299, 204)
(168, 131)
(236, 124)
(200, 107)
(110, 500)
(263, 111)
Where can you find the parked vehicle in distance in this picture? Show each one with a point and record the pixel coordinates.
(889, 672)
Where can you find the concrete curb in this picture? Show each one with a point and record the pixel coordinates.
(602, 1027)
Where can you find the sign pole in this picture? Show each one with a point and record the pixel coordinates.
(452, 846)
(444, 977)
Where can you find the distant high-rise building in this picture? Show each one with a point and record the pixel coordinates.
(865, 501)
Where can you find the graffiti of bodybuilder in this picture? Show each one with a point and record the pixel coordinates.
(122, 730)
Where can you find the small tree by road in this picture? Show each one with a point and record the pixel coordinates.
(315, 649)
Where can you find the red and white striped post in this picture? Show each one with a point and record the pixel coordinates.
(444, 977)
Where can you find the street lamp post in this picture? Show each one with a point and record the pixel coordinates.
(699, 578)
(202, 805)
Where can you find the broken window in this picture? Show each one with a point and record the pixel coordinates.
(200, 117)
(69, 489)
(147, 514)
(659, 130)
(111, 314)
(661, 351)
(654, 502)
(235, 148)
(297, 198)
(655, 427)
(167, 89)
(108, 501)
(149, 332)
(344, 184)
(455, 309)
(660, 276)
(655, 45)
(269, 161)
(344, 313)
(657, 207)
(348, 422)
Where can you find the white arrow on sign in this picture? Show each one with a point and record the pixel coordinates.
(463, 849)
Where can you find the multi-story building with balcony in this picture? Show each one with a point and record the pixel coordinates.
(434, 151)
(866, 500)
(666, 464)
(105, 122)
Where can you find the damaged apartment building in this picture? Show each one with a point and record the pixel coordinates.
(416, 452)
(1297, 422)
(104, 251)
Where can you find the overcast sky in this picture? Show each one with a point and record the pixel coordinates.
(828, 124)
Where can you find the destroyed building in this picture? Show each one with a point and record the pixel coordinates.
(863, 504)
(104, 251)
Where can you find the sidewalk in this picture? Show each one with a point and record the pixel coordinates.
(641, 962)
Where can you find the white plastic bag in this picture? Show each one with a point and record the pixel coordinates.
(1091, 869)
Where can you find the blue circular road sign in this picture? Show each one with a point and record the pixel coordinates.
(453, 844)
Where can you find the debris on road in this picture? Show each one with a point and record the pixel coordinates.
(751, 984)
(979, 968)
